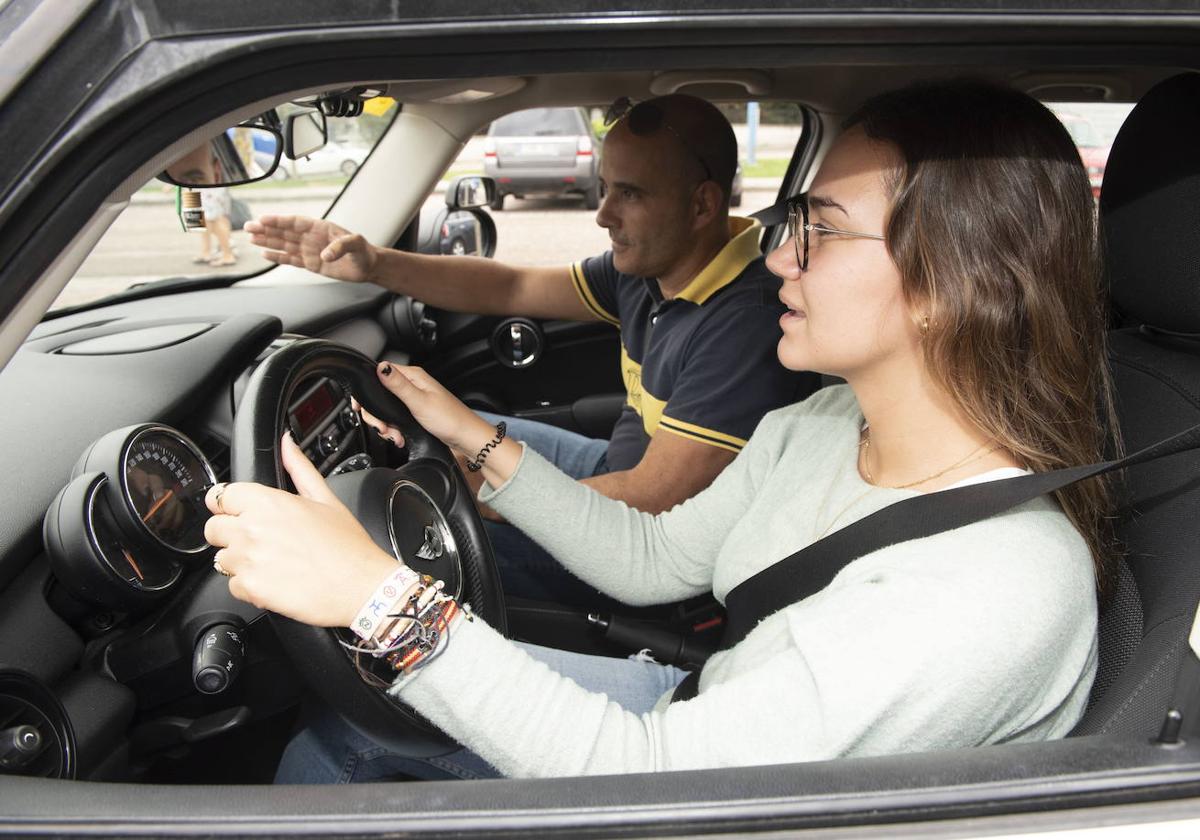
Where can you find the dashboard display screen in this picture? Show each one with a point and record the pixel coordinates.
(309, 412)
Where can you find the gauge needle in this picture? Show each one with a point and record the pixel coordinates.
(162, 500)
(133, 564)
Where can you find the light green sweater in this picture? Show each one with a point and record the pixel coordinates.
(984, 634)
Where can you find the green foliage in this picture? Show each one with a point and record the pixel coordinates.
(765, 168)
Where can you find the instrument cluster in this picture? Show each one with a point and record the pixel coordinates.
(130, 522)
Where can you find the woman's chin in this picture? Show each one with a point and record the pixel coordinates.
(792, 358)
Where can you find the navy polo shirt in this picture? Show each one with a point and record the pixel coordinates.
(701, 365)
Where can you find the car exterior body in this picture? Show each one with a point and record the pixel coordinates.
(106, 94)
(331, 159)
(544, 151)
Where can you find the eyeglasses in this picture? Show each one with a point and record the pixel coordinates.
(644, 119)
(798, 228)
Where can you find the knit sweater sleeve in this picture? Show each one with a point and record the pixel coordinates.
(915, 649)
(635, 557)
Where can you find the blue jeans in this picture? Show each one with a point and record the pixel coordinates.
(329, 750)
(526, 569)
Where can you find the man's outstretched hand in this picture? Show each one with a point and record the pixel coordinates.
(320, 246)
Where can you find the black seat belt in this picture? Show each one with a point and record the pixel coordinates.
(813, 567)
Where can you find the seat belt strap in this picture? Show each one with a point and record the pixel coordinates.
(813, 567)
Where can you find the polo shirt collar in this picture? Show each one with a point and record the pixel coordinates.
(741, 249)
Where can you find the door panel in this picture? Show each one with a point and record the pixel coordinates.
(575, 383)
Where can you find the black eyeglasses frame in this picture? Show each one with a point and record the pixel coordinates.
(798, 228)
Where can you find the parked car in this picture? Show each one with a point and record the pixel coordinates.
(457, 234)
(1092, 149)
(544, 151)
(135, 739)
(331, 159)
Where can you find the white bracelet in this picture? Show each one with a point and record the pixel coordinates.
(377, 607)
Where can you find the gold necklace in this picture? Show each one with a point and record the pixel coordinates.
(974, 455)
(863, 447)
(856, 499)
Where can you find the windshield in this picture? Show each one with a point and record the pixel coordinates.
(148, 242)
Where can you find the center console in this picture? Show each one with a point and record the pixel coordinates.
(327, 428)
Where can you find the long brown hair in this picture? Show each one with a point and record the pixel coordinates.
(993, 229)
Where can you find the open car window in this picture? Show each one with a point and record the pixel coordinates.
(148, 242)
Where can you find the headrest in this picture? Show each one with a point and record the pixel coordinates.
(1150, 209)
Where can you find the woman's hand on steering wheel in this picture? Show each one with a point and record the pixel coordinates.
(304, 556)
(437, 410)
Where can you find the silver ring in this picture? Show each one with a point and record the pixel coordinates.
(221, 570)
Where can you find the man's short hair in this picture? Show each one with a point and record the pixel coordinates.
(705, 131)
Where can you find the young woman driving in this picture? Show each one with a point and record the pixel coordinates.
(944, 264)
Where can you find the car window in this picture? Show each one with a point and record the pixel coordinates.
(148, 241)
(1092, 125)
(543, 213)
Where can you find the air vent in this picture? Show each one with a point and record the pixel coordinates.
(26, 704)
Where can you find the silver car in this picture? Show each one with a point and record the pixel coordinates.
(543, 151)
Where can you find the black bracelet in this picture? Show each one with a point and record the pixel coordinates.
(477, 464)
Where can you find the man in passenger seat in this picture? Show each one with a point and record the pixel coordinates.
(685, 284)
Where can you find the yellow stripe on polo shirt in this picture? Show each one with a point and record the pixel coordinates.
(729, 262)
(698, 433)
(650, 408)
(631, 375)
(589, 300)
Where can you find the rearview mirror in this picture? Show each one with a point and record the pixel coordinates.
(470, 192)
(304, 133)
(239, 155)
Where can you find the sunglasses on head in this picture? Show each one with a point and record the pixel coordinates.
(645, 118)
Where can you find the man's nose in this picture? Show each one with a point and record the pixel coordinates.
(605, 217)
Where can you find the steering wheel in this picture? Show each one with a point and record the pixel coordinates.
(422, 512)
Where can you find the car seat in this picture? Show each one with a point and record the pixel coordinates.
(1150, 229)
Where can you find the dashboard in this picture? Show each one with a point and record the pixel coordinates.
(117, 639)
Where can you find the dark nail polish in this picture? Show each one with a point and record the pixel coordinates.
(387, 370)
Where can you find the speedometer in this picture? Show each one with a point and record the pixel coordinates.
(165, 477)
(131, 520)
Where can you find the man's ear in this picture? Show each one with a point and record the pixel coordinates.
(708, 203)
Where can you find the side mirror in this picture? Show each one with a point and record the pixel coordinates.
(239, 155)
(470, 192)
(470, 231)
(304, 133)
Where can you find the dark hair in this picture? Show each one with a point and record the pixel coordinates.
(992, 226)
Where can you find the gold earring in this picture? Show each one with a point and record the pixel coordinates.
(925, 326)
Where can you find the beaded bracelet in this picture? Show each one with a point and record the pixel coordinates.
(477, 464)
(415, 627)
(431, 640)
